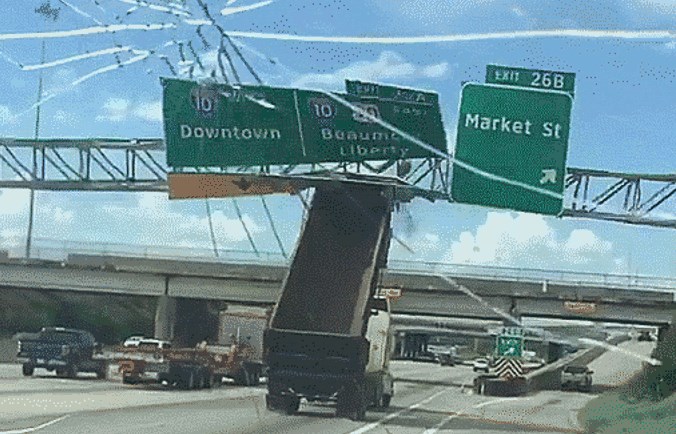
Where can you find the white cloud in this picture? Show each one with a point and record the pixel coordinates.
(149, 111)
(6, 116)
(518, 11)
(121, 109)
(66, 118)
(435, 71)
(525, 240)
(61, 215)
(389, 66)
(13, 201)
(115, 110)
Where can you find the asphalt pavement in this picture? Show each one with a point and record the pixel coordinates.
(428, 399)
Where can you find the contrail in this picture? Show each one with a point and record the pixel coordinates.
(81, 12)
(85, 31)
(238, 9)
(76, 58)
(112, 67)
(9, 59)
(139, 3)
(519, 34)
(141, 55)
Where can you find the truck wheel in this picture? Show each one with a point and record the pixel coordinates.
(255, 378)
(385, 400)
(128, 380)
(60, 372)
(216, 381)
(102, 372)
(189, 380)
(27, 369)
(352, 403)
(292, 405)
(72, 370)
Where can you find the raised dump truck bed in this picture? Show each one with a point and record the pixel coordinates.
(316, 347)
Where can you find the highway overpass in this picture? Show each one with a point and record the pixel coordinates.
(423, 292)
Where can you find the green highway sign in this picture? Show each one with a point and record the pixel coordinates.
(518, 134)
(509, 346)
(513, 331)
(216, 125)
(532, 78)
(397, 94)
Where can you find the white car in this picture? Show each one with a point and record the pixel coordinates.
(480, 365)
(150, 343)
(132, 341)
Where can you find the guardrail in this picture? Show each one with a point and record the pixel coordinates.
(58, 250)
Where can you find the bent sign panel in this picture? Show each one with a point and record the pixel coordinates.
(217, 125)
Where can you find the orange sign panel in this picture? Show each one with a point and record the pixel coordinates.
(206, 185)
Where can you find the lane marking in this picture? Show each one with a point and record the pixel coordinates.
(438, 426)
(36, 428)
(391, 416)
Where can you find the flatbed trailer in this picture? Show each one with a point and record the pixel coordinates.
(204, 366)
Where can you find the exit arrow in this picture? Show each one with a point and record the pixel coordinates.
(548, 175)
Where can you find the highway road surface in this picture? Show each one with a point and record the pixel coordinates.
(428, 399)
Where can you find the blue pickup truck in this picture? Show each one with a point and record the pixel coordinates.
(66, 351)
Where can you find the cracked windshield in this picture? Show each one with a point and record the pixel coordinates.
(335, 216)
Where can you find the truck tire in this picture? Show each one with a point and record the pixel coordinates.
(216, 381)
(187, 380)
(352, 403)
(27, 369)
(72, 370)
(61, 372)
(102, 371)
(283, 404)
(254, 377)
(385, 400)
(129, 380)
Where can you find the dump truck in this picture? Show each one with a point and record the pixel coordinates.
(186, 368)
(64, 350)
(329, 335)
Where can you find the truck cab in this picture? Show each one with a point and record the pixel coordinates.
(66, 351)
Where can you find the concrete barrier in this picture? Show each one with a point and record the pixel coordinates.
(549, 376)
(546, 378)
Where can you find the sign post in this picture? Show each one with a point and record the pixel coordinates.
(517, 134)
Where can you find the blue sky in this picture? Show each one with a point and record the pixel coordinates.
(623, 115)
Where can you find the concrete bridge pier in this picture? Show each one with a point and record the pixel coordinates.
(165, 318)
(662, 332)
(554, 352)
(185, 321)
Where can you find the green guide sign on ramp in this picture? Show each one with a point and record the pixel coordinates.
(217, 125)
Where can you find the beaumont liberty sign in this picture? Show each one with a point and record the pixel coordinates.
(217, 125)
(515, 133)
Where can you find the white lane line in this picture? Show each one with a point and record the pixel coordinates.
(36, 428)
(463, 413)
(391, 416)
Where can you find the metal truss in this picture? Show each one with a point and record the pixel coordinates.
(628, 198)
(139, 165)
(83, 164)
